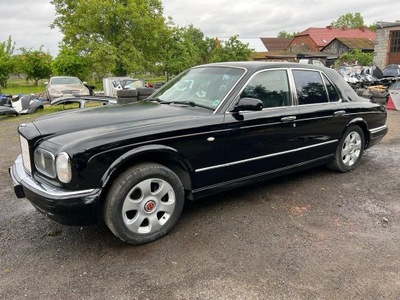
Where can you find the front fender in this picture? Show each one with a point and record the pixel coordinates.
(147, 152)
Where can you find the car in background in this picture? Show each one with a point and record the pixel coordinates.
(213, 127)
(60, 86)
(391, 71)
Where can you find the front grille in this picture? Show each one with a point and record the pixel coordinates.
(26, 159)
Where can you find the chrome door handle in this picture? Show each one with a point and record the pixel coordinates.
(339, 113)
(288, 119)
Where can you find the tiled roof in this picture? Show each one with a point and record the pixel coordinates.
(357, 43)
(323, 36)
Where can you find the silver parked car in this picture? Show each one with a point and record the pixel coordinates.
(60, 86)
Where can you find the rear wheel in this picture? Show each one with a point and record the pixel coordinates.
(144, 203)
(350, 150)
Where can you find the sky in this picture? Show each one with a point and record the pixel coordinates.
(28, 21)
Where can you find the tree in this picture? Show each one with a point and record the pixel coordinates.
(284, 34)
(7, 63)
(36, 64)
(230, 50)
(356, 57)
(119, 36)
(350, 20)
(184, 48)
(69, 63)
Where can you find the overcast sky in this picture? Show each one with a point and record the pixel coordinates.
(27, 21)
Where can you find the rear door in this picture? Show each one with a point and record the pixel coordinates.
(322, 114)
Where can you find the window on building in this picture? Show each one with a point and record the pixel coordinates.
(395, 41)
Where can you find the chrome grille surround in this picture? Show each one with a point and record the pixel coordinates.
(26, 158)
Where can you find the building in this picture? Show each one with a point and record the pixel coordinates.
(342, 45)
(315, 39)
(387, 46)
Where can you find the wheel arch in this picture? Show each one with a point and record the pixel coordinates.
(360, 122)
(161, 154)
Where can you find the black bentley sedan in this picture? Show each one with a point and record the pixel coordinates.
(212, 128)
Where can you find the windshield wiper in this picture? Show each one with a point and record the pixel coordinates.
(155, 99)
(190, 103)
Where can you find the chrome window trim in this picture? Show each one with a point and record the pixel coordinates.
(293, 86)
(263, 156)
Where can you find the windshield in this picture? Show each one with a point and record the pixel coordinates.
(65, 80)
(204, 86)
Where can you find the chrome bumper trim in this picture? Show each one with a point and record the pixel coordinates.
(378, 129)
(20, 177)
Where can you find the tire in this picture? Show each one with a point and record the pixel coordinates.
(127, 93)
(144, 203)
(350, 150)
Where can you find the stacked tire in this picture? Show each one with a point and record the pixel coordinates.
(129, 96)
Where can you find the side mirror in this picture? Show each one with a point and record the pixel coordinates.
(251, 104)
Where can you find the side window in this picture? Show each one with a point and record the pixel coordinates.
(309, 87)
(271, 87)
(332, 92)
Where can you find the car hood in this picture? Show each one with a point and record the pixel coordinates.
(67, 87)
(115, 117)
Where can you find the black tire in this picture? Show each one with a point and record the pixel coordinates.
(144, 203)
(127, 93)
(145, 91)
(350, 150)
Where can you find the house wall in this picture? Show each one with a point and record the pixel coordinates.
(381, 53)
(336, 47)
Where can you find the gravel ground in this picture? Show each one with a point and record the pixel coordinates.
(312, 235)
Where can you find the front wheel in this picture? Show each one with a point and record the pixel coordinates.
(144, 203)
(350, 150)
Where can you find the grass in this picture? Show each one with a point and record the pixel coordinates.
(48, 109)
(21, 86)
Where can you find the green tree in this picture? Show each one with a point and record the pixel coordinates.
(7, 63)
(121, 36)
(230, 50)
(69, 63)
(356, 57)
(36, 64)
(184, 48)
(284, 34)
(350, 20)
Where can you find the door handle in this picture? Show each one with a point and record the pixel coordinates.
(288, 119)
(339, 113)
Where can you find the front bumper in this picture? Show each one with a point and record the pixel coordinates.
(65, 207)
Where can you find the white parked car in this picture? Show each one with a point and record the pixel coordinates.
(60, 86)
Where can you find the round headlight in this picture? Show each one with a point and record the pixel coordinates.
(63, 167)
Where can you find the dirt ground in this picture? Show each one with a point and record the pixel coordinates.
(312, 235)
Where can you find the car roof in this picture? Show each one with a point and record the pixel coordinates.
(255, 65)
